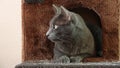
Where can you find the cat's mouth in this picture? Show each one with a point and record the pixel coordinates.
(53, 39)
(56, 39)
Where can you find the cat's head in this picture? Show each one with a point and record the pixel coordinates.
(61, 25)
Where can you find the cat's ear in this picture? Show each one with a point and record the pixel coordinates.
(56, 9)
(65, 12)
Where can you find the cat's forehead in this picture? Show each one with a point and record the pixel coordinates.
(59, 20)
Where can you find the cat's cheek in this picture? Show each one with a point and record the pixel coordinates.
(59, 34)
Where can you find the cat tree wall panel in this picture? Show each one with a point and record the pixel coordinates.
(35, 23)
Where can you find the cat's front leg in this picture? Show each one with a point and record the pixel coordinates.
(62, 59)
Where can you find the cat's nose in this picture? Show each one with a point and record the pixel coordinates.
(47, 34)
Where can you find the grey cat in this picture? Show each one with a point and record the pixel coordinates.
(73, 40)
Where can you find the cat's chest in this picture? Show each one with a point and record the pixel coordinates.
(66, 48)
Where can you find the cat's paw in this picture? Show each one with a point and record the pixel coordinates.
(77, 59)
(62, 59)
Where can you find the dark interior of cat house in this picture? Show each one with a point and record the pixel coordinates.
(35, 23)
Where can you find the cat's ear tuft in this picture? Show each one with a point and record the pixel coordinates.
(65, 12)
(56, 9)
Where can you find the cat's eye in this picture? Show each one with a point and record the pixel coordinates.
(55, 26)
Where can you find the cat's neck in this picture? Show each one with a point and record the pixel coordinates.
(64, 47)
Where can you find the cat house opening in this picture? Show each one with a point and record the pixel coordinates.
(93, 22)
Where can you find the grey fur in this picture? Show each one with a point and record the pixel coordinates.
(73, 40)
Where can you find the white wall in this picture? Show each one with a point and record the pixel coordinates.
(10, 33)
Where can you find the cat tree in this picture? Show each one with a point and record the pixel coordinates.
(35, 23)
